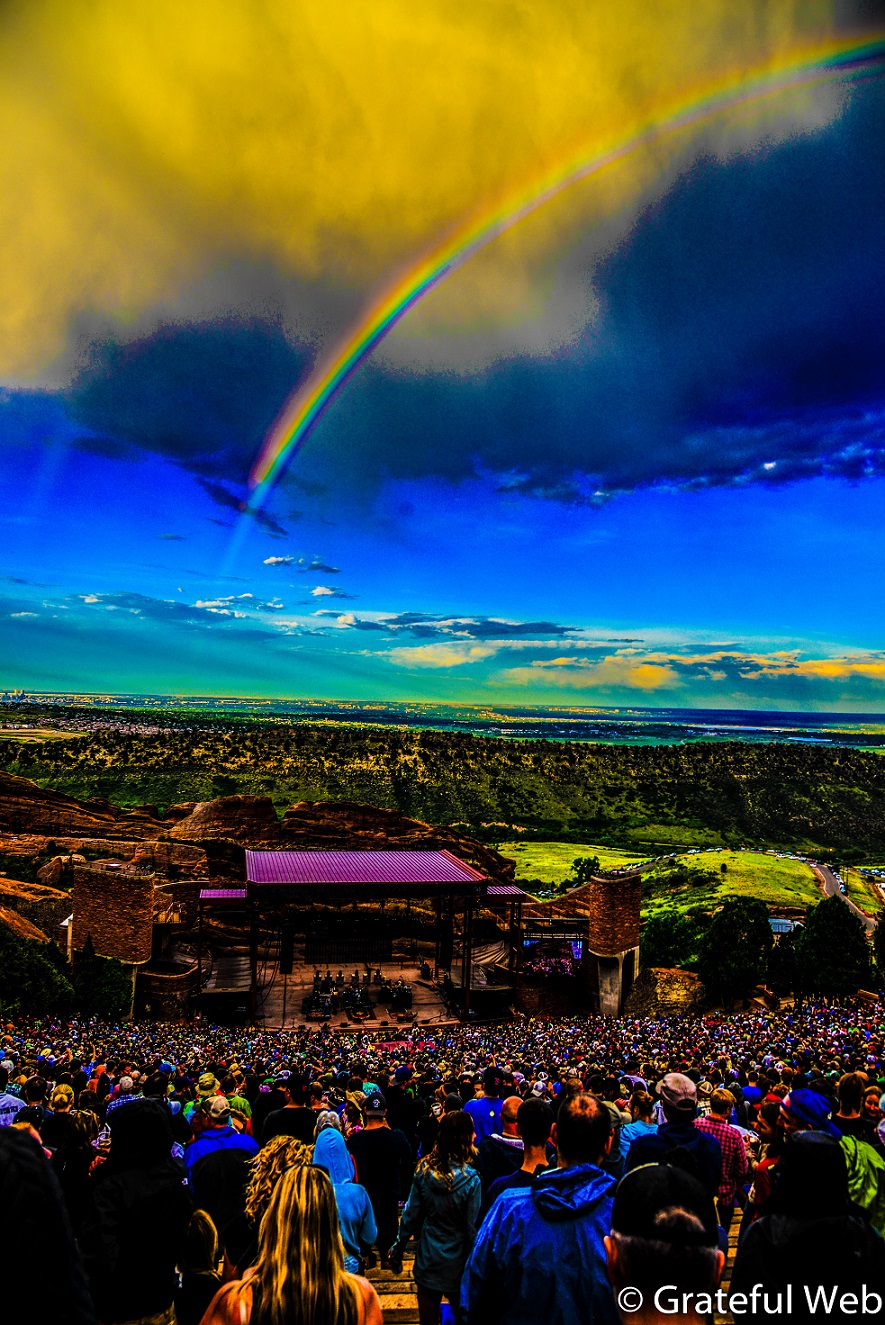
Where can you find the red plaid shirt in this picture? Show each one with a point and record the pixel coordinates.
(734, 1156)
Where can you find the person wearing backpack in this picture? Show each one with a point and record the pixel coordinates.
(702, 1153)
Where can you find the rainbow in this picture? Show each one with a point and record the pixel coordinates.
(833, 60)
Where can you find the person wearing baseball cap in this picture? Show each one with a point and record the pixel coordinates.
(295, 1118)
(663, 1231)
(218, 1166)
(485, 1112)
(501, 1156)
(403, 1109)
(679, 1101)
(384, 1164)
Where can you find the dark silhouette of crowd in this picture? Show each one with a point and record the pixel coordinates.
(566, 1171)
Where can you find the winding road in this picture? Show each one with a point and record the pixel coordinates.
(830, 885)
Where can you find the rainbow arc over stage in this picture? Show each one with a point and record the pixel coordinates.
(833, 60)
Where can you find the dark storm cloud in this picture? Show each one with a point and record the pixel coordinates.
(423, 625)
(109, 448)
(222, 496)
(740, 340)
(317, 565)
(203, 395)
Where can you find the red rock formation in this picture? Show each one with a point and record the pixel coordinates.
(44, 907)
(251, 820)
(27, 808)
(662, 991)
(206, 840)
(21, 927)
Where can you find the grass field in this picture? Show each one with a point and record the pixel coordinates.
(33, 734)
(551, 862)
(863, 892)
(778, 883)
(749, 874)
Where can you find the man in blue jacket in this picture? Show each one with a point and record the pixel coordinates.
(539, 1258)
(218, 1167)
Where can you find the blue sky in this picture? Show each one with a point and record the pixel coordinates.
(663, 484)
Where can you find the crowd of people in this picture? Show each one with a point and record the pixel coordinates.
(543, 1170)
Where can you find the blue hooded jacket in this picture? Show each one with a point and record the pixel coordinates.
(355, 1217)
(539, 1258)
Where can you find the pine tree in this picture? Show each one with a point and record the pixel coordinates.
(31, 985)
(734, 951)
(832, 952)
(101, 984)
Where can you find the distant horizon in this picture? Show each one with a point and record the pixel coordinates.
(17, 695)
(629, 724)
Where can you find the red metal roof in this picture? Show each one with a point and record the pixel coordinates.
(370, 867)
(222, 894)
(506, 890)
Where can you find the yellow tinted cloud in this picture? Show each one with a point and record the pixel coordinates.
(440, 655)
(614, 672)
(145, 142)
(632, 669)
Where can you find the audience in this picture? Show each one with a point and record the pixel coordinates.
(130, 1166)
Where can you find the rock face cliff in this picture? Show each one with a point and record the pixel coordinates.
(250, 820)
(54, 833)
(27, 808)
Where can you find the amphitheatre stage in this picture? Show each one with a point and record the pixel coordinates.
(356, 918)
(344, 912)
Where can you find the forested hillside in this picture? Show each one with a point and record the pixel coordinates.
(731, 793)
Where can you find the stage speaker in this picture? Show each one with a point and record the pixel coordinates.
(287, 948)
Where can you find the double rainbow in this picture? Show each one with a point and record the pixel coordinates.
(833, 60)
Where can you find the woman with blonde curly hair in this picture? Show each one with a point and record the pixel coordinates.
(272, 1161)
(299, 1276)
(441, 1212)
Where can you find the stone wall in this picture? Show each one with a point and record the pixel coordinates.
(163, 996)
(543, 1001)
(117, 909)
(667, 992)
(612, 908)
(610, 905)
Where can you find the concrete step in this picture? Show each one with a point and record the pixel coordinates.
(399, 1302)
(396, 1292)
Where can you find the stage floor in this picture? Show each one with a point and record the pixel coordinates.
(281, 1005)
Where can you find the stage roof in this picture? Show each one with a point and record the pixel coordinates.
(506, 890)
(290, 868)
